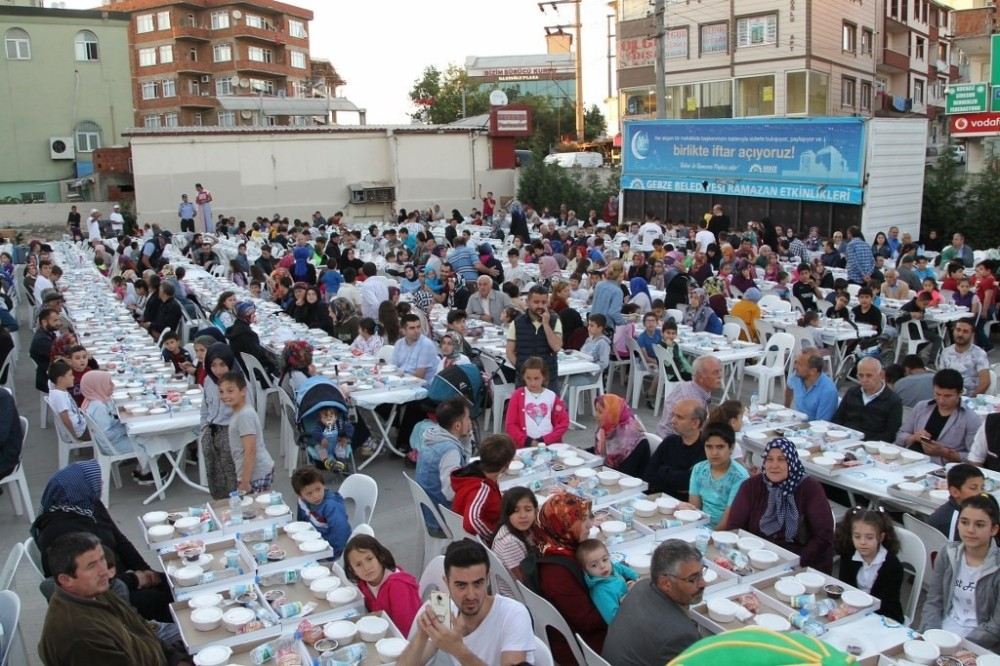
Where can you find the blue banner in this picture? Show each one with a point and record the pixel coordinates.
(807, 159)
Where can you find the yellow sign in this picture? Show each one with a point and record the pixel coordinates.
(692, 104)
(767, 93)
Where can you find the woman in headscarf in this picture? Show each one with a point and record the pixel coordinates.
(201, 344)
(345, 320)
(451, 351)
(548, 268)
(302, 269)
(743, 277)
(639, 267)
(297, 308)
(297, 358)
(317, 311)
(699, 316)
(786, 507)
(96, 387)
(350, 260)
(639, 294)
(564, 520)
(244, 340)
(71, 502)
(432, 282)
(620, 437)
(215, 416)
(519, 222)
(409, 282)
(437, 258)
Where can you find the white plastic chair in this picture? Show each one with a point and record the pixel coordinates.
(911, 336)
(363, 528)
(765, 330)
(912, 554)
(42, 412)
(543, 616)
(10, 566)
(432, 545)
(853, 289)
(455, 523)
(593, 659)
(638, 372)
(432, 577)
(773, 366)
(264, 386)
(675, 314)
(385, 353)
(288, 441)
(34, 555)
(543, 656)
(663, 359)
(108, 462)
(67, 440)
(770, 301)
(7, 371)
(501, 392)
(501, 578)
(731, 331)
(575, 393)
(10, 618)
(23, 495)
(739, 323)
(653, 440)
(363, 491)
(933, 541)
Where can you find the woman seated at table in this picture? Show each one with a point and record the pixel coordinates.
(298, 363)
(564, 520)
(743, 277)
(451, 351)
(786, 507)
(317, 311)
(409, 283)
(699, 316)
(964, 593)
(97, 387)
(620, 437)
(71, 502)
(244, 340)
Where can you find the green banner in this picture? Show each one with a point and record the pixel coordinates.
(966, 98)
(995, 60)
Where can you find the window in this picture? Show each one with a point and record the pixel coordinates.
(194, 88)
(298, 120)
(227, 118)
(716, 99)
(296, 28)
(796, 92)
(920, 48)
(819, 93)
(714, 38)
(147, 57)
(196, 119)
(849, 38)
(675, 43)
(254, 21)
(222, 52)
(148, 89)
(169, 87)
(298, 59)
(166, 53)
(755, 96)
(258, 54)
(88, 137)
(85, 46)
(17, 44)
(262, 85)
(223, 86)
(163, 20)
(151, 121)
(866, 96)
(757, 30)
(220, 20)
(170, 120)
(639, 102)
(193, 55)
(918, 91)
(867, 40)
(847, 92)
(144, 23)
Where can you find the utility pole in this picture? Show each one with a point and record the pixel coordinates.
(659, 12)
(611, 52)
(578, 27)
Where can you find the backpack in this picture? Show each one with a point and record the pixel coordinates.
(529, 569)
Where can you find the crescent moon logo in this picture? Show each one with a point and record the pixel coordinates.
(640, 145)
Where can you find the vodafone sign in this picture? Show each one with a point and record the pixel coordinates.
(975, 124)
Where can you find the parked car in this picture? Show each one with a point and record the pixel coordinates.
(585, 159)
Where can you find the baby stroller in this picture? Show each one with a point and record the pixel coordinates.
(315, 395)
(464, 380)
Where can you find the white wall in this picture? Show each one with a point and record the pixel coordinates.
(28, 216)
(295, 173)
(895, 173)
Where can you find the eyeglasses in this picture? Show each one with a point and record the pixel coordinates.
(693, 578)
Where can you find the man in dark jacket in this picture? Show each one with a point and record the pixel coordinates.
(872, 407)
(168, 315)
(41, 346)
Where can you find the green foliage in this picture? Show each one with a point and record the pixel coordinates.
(548, 185)
(437, 96)
(982, 210)
(944, 193)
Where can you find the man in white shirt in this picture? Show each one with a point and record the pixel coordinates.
(94, 226)
(648, 232)
(374, 291)
(117, 221)
(486, 629)
(44, 280)
(704, 237)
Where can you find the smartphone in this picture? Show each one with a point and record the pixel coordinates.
(440, 605)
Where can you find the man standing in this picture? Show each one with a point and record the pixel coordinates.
(810, 390)
(73, 220)
(647, 233)
(487, 303)
(117, 221)
(860, 260)
(656, 609)
(893, 241)
(187, 212)
(705, 237)
(488, 629)
(204, 201)
(719, 222)
(970, 361)
(94, 227)
(872, 407)
(374, 291)
(706, 376)
(669, 468)
(464, 260)
(537, 332)
(85, 622)
(41, 346)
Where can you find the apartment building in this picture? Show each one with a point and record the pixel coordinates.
(749, 58)
(223, 62)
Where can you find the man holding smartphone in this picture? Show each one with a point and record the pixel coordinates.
(486, 629)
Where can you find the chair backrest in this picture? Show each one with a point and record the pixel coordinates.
(492, 368)
(543, 656)
(10, 617)
(545, 616)
(99, 437)
(363, 491)
(10, 566)
(593, 659)
(675, 314)
(62, 432)
(433, 577)
(731, 331)
(455, 523)
(853, 289)
(363, 528)
(503, 581)
(422, 501)
(635, 354)
(256, 371)
(770, 301)
(7, 370)
(34, 555)
(666, 360)
(159, 340)
(781, 306)
(653, 440)
(912, 554)
(993, 387)
(385, 353)
(933, 541)
(779, 350)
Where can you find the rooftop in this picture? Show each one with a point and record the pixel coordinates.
(72, 14)
(294, 130)
(271, 5)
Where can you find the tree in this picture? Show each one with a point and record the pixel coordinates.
(548, 185)
(594, 125)
(944, 193)
(438, 96)
(983, 208)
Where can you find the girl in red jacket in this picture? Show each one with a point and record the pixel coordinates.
(384, 586)
(536, 414)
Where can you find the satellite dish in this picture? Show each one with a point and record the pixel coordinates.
(234, 80)
(237, 14)
(244, 83)
(246, 114)
(498, 98)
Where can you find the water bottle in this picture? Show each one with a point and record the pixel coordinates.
(753, 403)
(807, 622)
(235, 508)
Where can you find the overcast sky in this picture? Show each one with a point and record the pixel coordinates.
(381, 46)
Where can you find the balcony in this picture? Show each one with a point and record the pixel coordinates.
(895, 61)
(195, 101)
(893, 24)
(971, 23)
(270, 35)
(192, 32)
(887, 105)
(257, 67)
(192, 67)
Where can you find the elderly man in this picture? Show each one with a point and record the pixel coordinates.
(487, 303)
(957, 251)
(893, 287)
(872, 407)
(669, 468)
(87, 623)
(655, 609)
(374, 291)
(537, 332)
(810, 390)
(706, 376)
(968, 359)
(942, 428)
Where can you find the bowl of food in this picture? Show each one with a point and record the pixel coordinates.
(772, 621)
(342, 631)
(188, 575)
(644, 508)
(947, 642)
(837, 435)
(608, 477)
(688, 515)
(213, 655)
(206, 619)
(313, 572)
(188, 526)
(276, 510)
(872, 447)
(813, 582)
(205, 600)
(746, 544)
(342, 595)
(160, 532)
(640, 563)
(297, 526)
(154, 518)
(921, 652)
(833, 590)
(725, 539)
(389, 649)
(315, 546)
(630, 482)
(613, 527)
(305, 535)
(762, 558)
(909, 456)
(857, 599)
(824, 461)
(372, 628)
(235, 619)
(722, 610)
(888, 451)
(666, 505)
(323, 586)
(585, 473)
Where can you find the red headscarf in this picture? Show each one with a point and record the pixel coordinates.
(559, 519)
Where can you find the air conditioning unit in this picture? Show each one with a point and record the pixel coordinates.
(366, 194)
(205, 78)
(61, 148)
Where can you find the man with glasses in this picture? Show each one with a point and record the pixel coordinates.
(656, 609)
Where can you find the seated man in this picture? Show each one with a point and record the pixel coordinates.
(86, 623)
(486, 630)
(871, 408)
(657, 609)
(942, 427)
(971, 361)
(917, 383)
(669, 468)
(810, 390)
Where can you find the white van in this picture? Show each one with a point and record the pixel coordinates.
(585, 159)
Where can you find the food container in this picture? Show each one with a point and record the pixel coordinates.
(315, 546)
(342, 631)
(389, 649)
(206, 619)
(572, 461)
(629, 482)
(314, 572)
(788, 588)
(301, 536)
(722, 610)
(772, 621)
(372, 628)
(888, 451)
(235, 619)
(613, 527)
(188, 575)
(154, 518)
(298, 526)
(188, 526)
(921, 652)
(640, 563)
(608, 477)
(515, 467)
(644, 508)
(666, 505)
(813, 582)
(688, 515)
(159, 533)
(824, 461)
(341, 595)
(837, 435)
(724, 539)
(833, 591)
(911, 487)
(213, 655)
(209, 600)
(946, 641)
(746, 544)
(763, 559)
(323, 586)
(872, 447)
(857, 599)
(585, 473)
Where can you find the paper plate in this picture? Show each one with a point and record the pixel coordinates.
(772, 622)
(857, 599)
(313, 546)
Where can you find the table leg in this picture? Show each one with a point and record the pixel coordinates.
(383, 435)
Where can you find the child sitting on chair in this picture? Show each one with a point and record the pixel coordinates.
(331, 440)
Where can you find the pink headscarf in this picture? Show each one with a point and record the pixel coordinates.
(96, 386)
(547, 267)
